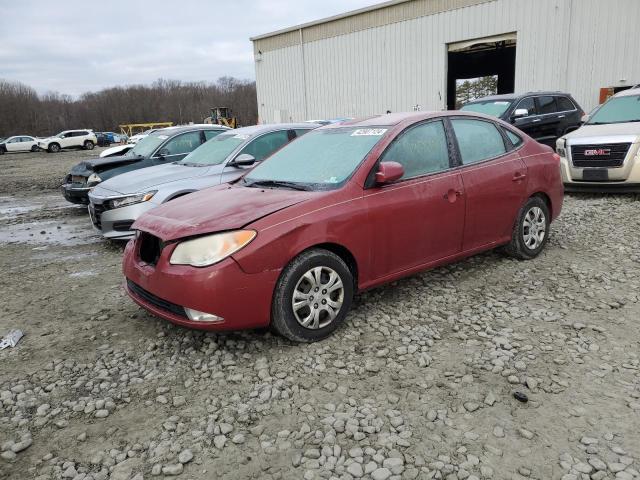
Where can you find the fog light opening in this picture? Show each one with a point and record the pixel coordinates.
(204, 317)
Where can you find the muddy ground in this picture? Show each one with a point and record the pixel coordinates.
(419, 383)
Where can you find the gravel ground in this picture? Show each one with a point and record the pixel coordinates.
(419, 383)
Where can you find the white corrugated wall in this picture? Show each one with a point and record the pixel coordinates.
(571, 45)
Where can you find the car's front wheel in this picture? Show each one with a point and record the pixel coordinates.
(312, 297)
(54, 148)
(88, 145)
(35, 148)
(531, 230)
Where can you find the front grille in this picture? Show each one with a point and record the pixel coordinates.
(122, 226)
(96, 211)
(79, 179)
(602, 155)
(156, 301)
(150, 248)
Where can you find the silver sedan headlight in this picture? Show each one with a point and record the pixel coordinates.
(131, 199)
(211, 249)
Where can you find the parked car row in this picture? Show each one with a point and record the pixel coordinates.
(599, 151)
(280, 225)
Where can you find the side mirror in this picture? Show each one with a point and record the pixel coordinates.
(520, 112)
(243, 160)
(585, 118)
(389, 172)
(163, 152)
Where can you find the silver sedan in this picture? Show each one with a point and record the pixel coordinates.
(116, 203)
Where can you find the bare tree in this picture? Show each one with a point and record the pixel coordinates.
(26, 112)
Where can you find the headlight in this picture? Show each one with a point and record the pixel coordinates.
(93, 178)
(131, 199)
(560, 147)
(205, 251)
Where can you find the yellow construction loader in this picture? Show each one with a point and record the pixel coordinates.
(222, 116)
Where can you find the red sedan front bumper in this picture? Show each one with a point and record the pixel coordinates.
(242, 300)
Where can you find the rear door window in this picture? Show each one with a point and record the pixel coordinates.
(515, 140)
(420, 150)
(478, 140)
(546, 105)
(302, 131)
(564, 104)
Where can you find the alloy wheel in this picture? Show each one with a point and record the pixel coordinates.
(317, 297)
(534, 228)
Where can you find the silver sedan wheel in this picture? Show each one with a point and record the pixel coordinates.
(317, 298)
(534, 228)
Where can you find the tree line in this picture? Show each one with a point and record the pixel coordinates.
(23, 111)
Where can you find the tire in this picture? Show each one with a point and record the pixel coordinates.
(2, 151)
(88, 145)
(35, 148)
(53, 148)
(319, 314)
(531, 230)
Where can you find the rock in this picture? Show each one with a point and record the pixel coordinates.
(597, 463)
(490, 399)
(471, 406)
(238, 438)
(381, 474)
(101, 413)
(219, 441)
(498, 431)
(525, 433)
(617, 467)
(70, 472)
(179, 401)
(21, 445)
(8, 455)
(172, 470)
(185, 456)
(355, 470)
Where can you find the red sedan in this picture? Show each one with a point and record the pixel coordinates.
(343, 209)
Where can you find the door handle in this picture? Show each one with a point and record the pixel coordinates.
(561, 116)
(452, 195)
(536, 120)
(519, 176)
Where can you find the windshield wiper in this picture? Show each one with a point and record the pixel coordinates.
(277, 183)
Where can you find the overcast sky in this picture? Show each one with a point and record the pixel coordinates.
(74, 46)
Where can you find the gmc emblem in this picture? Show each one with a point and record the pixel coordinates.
(597, 152)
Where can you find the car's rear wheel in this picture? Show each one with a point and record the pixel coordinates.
(88, 145)
(312, 297)
(54, 148)
(35, 148)
(531, 231)
(2, 151)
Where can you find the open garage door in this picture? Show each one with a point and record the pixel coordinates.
(480, 67)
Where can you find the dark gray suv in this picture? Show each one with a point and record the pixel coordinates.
(544, 116)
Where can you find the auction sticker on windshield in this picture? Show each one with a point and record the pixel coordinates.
(369, 132)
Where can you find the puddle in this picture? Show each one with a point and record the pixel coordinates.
(70, 232)
(50, 232)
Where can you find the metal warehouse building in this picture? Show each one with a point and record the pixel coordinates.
(408, 54)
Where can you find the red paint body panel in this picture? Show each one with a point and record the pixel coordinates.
(391, 231)
(494, 190)
(244, 301)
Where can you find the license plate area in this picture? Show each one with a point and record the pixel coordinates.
(77, 179)
(595, 175)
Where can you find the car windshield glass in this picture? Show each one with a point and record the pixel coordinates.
(322, 159)
(60, 135)
(147, 145)
(216, 150)
(495, 108)
(618, 110)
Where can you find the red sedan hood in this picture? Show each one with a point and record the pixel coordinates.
(216, 209)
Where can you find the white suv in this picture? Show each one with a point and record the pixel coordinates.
(604, 154)
(69, 139)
